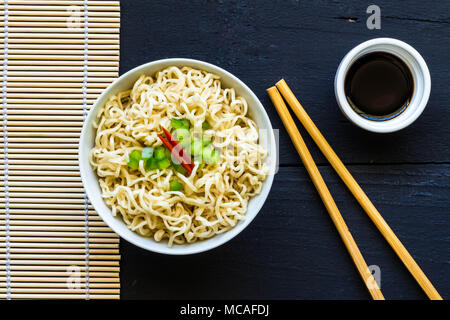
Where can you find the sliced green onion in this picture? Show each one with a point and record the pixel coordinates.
(186, 124)
(215, 157)
(186, 145)
(160, 153)
(151, 164)
(147, 153)
(196, 148)
(133, 164)
(206, 125)
(207, 153)
(180, 123)
(179, 168)
(182, 135)
(210, 156)
(163, 164)
(168, 154)
(135, 155)
(206, 141)
(175, 185)
(176, 123)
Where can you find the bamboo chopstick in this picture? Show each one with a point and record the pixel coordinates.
(357, 192)
(61, 2)
(59, 240)
(325, 194)
(59, 274)
(61, 268)
(61, 18)
(60, 296)
(49, 215)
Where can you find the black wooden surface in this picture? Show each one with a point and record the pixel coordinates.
(292, 250)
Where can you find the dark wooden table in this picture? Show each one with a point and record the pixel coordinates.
(292, 250)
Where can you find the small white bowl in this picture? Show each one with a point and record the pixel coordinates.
(420, 73)
(90, 179)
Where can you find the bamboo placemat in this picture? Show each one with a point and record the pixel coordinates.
(57, 56)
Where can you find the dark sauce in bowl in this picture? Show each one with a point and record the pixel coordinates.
(379, 86)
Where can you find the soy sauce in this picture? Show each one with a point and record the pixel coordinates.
(379, 86)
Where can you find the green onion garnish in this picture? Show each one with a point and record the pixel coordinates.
(160, 153)
(210, 156)
(168, 154)
(151, 164)
(163, 164)
(134, 157)
(175, 185)
(182, 135)
(196, 148)
(133, 164)
(206, 141)
(180, 123)
(215, 157)
(206, 125)
(147, 153)
(186, 145)
(179, 168)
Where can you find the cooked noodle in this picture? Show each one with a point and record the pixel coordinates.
(215, 197)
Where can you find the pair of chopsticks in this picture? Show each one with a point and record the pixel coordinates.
(352, 185)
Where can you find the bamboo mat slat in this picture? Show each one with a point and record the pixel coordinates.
(57, 56)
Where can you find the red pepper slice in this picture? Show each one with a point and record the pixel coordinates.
(187, 159)
(175, 152)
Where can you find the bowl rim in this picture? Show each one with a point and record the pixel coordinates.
(111, 221)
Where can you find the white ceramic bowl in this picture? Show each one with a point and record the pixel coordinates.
(90, 179)
(420, 73)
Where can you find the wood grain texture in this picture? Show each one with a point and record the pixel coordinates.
(262, 41)
(292, 250)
